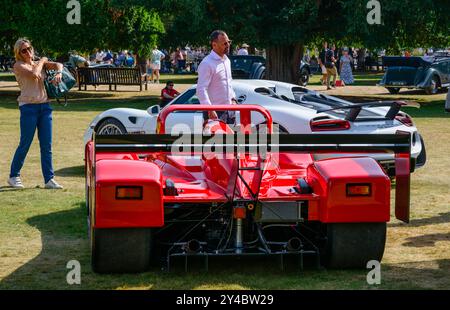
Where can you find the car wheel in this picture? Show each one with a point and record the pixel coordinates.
(352, 245)
(433, 88)
(111, 126)
(393, 90)
(304, 77)
(121, 250)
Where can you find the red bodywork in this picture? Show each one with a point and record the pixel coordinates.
(207, 179)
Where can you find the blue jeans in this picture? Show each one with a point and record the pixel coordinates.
(34, 116)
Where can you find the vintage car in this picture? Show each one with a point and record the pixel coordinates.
(237, 192)
(294, 109)
(428, 73)
(254, 67)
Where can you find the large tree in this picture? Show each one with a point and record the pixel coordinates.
(405, 24)
(136, 27)
(103, 25)
(284, 27)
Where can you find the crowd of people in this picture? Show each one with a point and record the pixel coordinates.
(179, 60)
(333, 62)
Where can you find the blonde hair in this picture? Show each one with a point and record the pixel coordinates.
(17, 47)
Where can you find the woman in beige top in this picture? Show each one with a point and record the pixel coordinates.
(35, 112)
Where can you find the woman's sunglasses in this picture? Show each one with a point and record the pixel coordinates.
(27, 49)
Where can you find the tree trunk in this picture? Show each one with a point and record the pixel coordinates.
(283, 62)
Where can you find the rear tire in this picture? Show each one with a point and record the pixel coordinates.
(393, 90)
(352, 245)
(304, 77)
(433, 88)
(121, 250)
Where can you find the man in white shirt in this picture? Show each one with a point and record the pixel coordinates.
(214, 77)
(243, 51)
(99, 56)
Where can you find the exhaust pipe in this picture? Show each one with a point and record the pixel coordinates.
(192, 246)
(294, 244)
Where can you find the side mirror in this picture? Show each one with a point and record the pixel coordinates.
(154, 110)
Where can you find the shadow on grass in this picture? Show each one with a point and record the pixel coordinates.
(91, 103)
(180, 79)
(75, 171)
(426, 240)
(64, 238)
(438, 219)
(7, 78)
(361, 79)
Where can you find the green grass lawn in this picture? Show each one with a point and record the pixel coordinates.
(41, 230)
(361, 79)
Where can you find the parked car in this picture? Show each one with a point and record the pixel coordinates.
(147, 204)
(254, 67)
(428, 73)
(294, 109)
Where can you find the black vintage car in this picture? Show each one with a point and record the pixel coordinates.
(254, 67)
(428, 73)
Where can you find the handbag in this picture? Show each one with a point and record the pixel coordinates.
(339, 83)
(60, 90)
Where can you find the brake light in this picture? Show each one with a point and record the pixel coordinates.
(129, 192)
(329, 125)
(359, 190)
(404, 119)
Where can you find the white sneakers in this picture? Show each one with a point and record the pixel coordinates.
(52, 185)
(16, 182)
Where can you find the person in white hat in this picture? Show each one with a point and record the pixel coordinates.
(243, 50)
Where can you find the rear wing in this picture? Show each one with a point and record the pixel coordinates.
(355, 109)
(399, 144)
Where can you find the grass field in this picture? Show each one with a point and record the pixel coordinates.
(41, 230)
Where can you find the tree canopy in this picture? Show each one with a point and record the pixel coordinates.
(282, 27)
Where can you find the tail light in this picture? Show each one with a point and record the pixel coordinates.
(329, 125)
(129, 192)
(359, 190)
(405, 119)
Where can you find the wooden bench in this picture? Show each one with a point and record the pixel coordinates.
(111, 77)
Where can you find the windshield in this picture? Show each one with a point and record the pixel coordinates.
(189, 97)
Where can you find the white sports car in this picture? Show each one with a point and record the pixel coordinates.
(294, 109)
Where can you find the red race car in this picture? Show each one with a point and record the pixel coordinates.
(236, 192)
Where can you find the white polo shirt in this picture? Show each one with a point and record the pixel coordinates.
(214, 80)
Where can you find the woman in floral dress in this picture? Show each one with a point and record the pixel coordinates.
(346, 68)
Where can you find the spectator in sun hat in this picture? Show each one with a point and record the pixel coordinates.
(243, 50)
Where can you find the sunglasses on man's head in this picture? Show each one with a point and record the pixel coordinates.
(27, 49)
